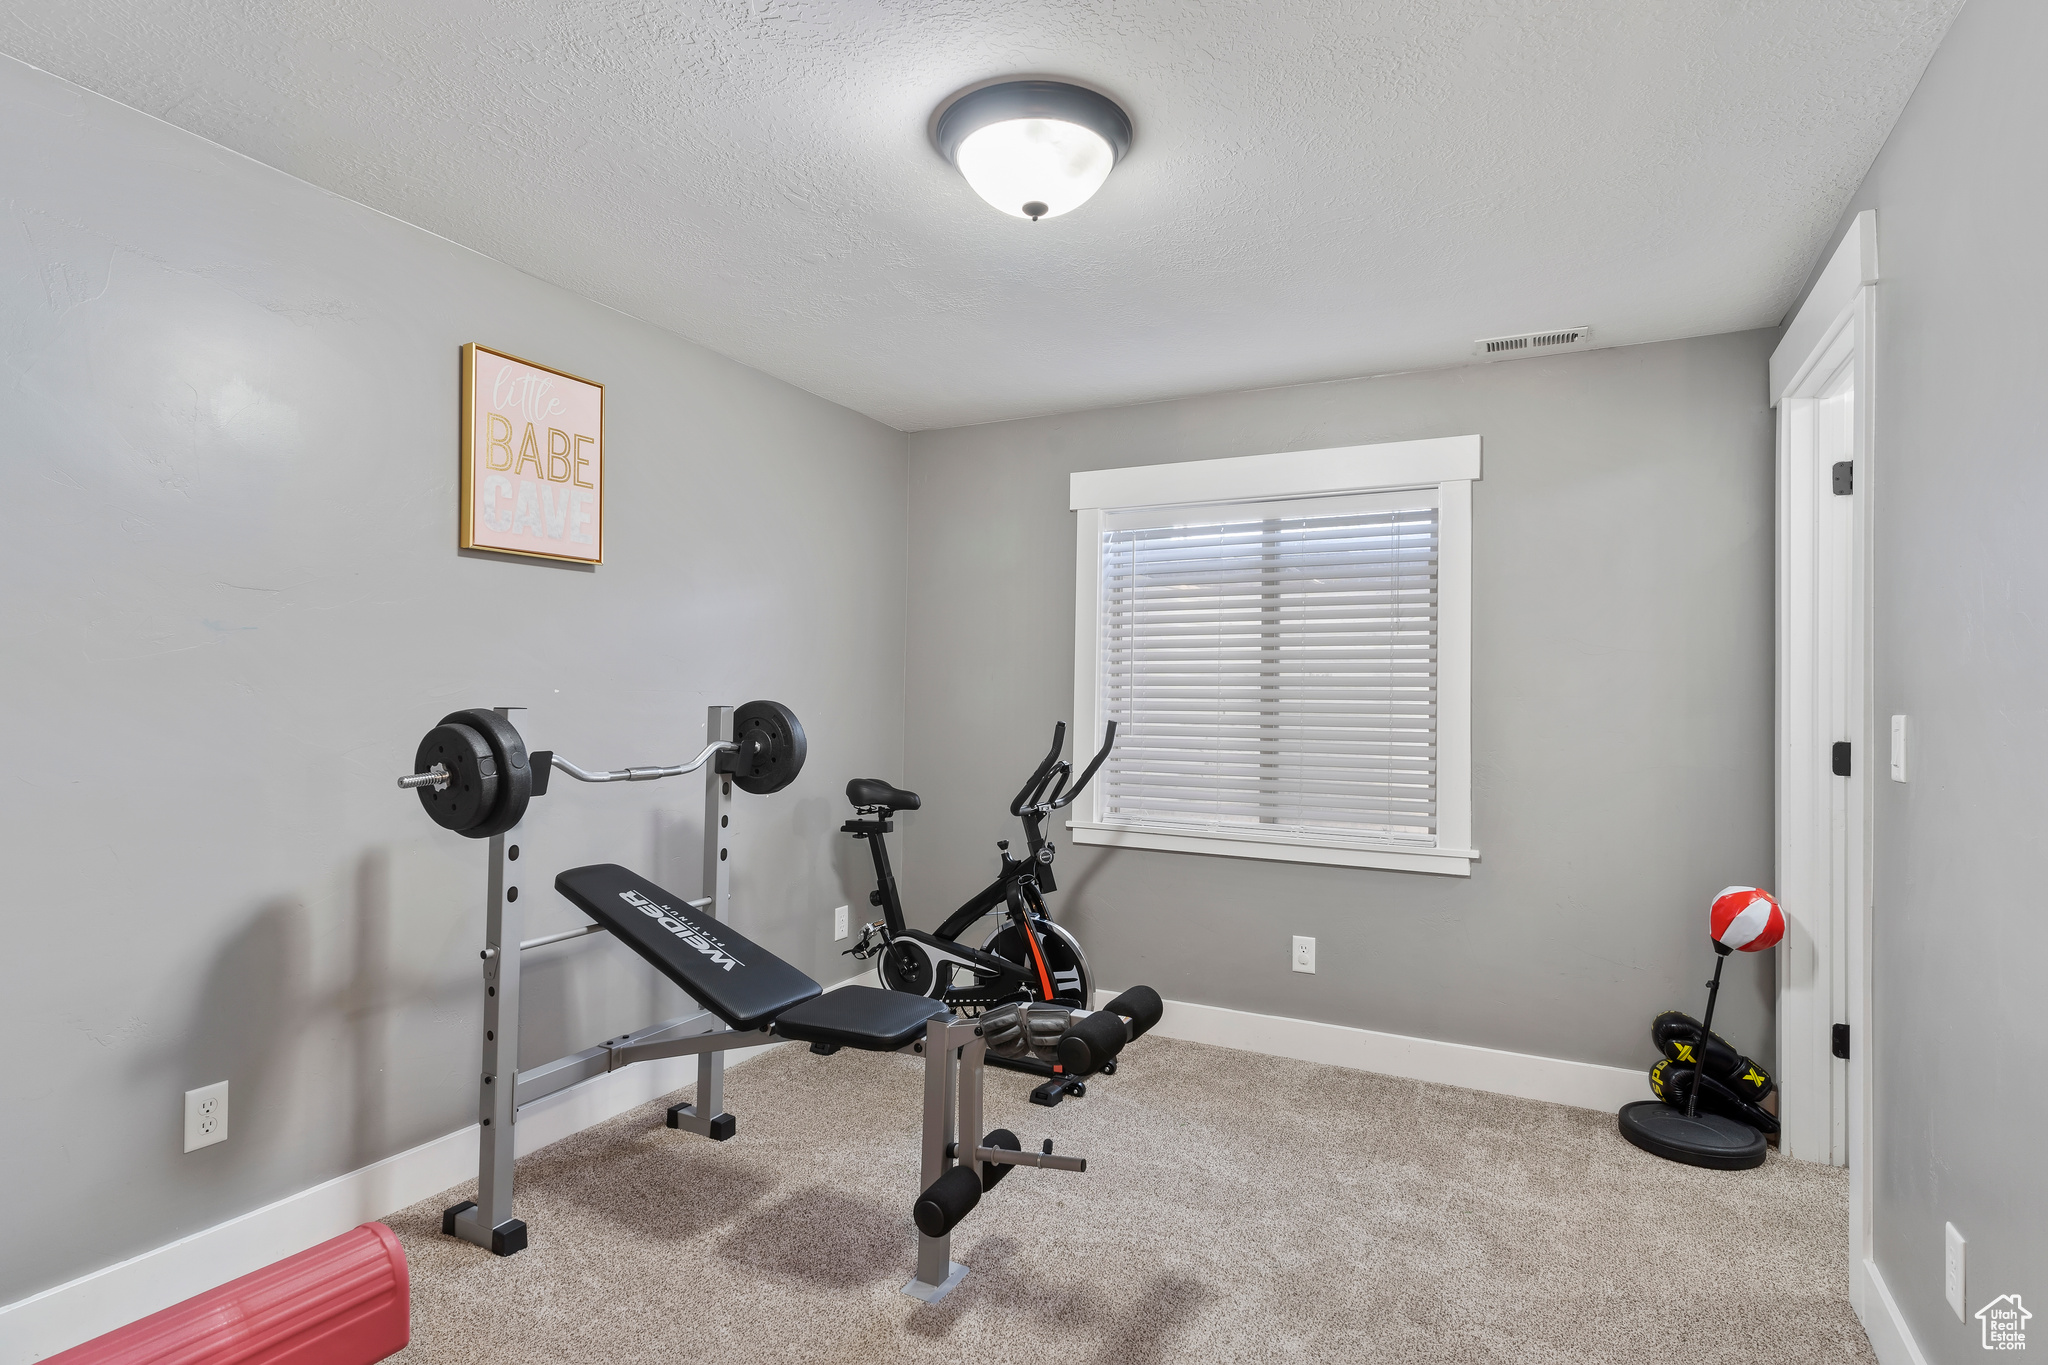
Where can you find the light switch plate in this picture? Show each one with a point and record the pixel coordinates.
(1898, 748)
(1953, 1278)
(839, 922)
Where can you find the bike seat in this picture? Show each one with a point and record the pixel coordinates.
(873, 791)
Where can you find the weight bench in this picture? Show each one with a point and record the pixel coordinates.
(751, 989)
(760, 998)
(749, 996)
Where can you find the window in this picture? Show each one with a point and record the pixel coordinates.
(1283, 642)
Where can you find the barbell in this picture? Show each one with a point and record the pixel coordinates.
(475, 777)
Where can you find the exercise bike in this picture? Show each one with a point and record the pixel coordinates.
(1028, 958)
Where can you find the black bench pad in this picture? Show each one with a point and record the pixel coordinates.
(861, 1016)
(740, 982)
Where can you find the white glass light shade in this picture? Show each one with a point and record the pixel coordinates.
(1025, 164)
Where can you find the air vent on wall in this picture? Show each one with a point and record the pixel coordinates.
(1534, 343)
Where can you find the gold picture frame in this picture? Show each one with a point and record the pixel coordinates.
(504, 511)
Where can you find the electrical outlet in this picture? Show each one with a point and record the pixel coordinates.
(1304, 954)
(1898, 748)
(839, 922)
(1954, 1278)
(206, 1116)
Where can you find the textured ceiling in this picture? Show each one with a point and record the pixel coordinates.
(1315, 189)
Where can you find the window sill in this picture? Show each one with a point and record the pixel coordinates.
(1448, 862)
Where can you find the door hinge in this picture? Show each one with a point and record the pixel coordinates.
(1845, 477)
(1841, 1042)
(1841, 758)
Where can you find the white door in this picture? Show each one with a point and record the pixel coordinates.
(1822, 383)
(1823, 757)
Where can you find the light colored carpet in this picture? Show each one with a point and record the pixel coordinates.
(1235, 1208)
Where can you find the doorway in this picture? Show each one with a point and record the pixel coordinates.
(1822, 378)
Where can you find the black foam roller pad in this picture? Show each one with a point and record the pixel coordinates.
(949, 1199)
(1091, 1041)
(1142, 1006)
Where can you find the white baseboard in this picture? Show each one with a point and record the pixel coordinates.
(1882, 1321)
(60, 1318)
(1585, 1085)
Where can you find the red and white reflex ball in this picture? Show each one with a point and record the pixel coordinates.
(1747, 918)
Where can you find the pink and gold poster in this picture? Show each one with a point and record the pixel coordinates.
(532, 459)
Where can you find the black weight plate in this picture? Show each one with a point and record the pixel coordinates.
(515, 776)
(772, 747)
(472, 769)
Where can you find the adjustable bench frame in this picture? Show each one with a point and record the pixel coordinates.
(953, 1068)
(953, 1048)
(488, 1220)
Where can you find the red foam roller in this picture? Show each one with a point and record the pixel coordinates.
(344, 1302)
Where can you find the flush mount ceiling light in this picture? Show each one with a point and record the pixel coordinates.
(1034, 149)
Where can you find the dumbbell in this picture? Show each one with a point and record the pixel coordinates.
(1026, 1028)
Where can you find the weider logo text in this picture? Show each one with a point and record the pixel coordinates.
(687, 933)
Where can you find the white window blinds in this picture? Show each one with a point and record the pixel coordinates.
(1273, 670)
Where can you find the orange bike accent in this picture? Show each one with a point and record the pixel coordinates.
(1038, 960)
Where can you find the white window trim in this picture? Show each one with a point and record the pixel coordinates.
(1447, 463)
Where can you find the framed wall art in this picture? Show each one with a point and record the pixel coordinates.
(532, 459)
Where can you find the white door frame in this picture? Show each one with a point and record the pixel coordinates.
(1824, 835)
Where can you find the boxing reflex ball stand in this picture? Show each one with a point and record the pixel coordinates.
(1741, 918)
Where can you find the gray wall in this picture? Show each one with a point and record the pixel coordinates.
(1959, 495)
(227, 432)
(1622, 702)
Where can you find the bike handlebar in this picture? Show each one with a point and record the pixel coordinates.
(1051, 767)
(1034, 783)
(1087, 773)
(1056, 780)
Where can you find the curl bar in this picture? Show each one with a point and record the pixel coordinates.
(437, 776)
(638, 774)
(474, 775)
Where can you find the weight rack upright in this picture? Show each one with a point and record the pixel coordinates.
(487, 1220)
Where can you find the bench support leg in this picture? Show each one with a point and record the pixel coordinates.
(937, 1271)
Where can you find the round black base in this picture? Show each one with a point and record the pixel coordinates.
(1710, 1140)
